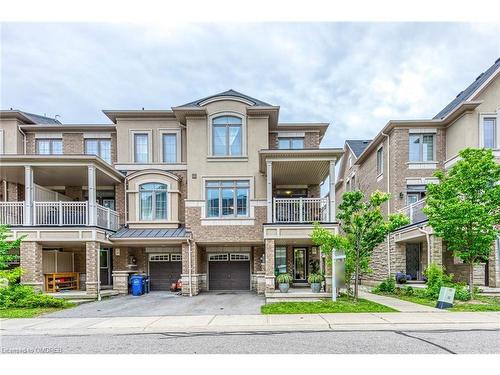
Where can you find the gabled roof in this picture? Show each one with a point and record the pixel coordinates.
(467, 93)
(357, 146)
(229, 92)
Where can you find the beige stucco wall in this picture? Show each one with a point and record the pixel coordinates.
(200, 164)
(12, 138)
(464, 132)
(124, 137)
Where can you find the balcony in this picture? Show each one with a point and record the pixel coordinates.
(300, 210)
(415, 212)
(59, 213)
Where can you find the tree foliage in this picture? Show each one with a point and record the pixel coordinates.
(363, 228)
(6, 246)
(464, 207)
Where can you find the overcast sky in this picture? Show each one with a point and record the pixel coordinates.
(355, 76)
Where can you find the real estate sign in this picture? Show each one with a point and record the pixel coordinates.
(446, 296)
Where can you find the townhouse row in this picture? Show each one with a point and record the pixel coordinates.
(216, 192)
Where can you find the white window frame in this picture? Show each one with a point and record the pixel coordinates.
(178, 143)
(239, 256)
(153, 203)
(289, 139)
(99, 149)
(149, 134)
(234, 180)
(243, 135)
(421, 147)
(51, 148)
(176, 257)
(159, 257)
(380, 171)
(492, 115)
(218, 257)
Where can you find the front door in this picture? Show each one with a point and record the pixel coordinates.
(413, 261)
(105, 266)
(299, 264)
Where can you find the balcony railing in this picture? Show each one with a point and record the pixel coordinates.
(58, 214)
(300, 210)
(415, 212)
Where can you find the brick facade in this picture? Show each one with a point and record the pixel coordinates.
(91, 251)
(31, 263)
(73, 144)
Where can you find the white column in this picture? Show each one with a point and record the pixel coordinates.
(332, 190)
(269, 189)
(92, 196)
(28, 195)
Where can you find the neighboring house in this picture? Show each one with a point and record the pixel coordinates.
(216, 192)
(402, 159)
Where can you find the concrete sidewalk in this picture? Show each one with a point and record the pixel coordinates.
(228, 323)
(397, 304)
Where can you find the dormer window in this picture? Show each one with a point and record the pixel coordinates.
(290, 143)
(227, 136)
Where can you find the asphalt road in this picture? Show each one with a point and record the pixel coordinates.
(346, 342)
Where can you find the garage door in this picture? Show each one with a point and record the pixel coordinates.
(229, 272)
(164, 270)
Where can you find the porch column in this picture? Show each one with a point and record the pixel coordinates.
(332, 190)
(269, 265)
(91, 277)
(436, 250)
(92, 195)
(195, 271)
(269, 191)
(494, 266)
(31, 263)
(28, 195)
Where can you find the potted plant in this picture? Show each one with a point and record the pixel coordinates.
(284, 280)
(315, 279)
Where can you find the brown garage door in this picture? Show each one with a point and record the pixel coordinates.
(163, 274)
(229, 275)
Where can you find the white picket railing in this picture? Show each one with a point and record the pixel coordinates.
(12, 213)
(60, 213)
(107, 218)
(415, 211)
(300, 210)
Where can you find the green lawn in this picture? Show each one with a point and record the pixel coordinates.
(480, 303)
(344, 304)
(27, 312)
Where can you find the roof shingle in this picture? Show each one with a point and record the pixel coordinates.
(358, 145)
(229, 92)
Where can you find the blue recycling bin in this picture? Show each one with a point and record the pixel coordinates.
(137, 283)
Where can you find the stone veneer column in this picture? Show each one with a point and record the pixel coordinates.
(436, 250)
(31, 263)
(91, 253)
(195, 276)
(328, 273)
(270, 283)
(493, 267)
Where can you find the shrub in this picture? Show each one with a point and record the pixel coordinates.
(436, 278)
(13, 276)
(315, 278)
(23, 296)
(408, 291)
(386, 286)
(284, 278)
(461, 292)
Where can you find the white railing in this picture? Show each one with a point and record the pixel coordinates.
(43, 194)
(300, 210)
(415, 211)
(107, 218)
(12, 213)
(60, 213)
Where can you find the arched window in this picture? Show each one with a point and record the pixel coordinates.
(153, 201)
(226, 136)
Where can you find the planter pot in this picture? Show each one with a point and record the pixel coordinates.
(284, 287)
(315, 287)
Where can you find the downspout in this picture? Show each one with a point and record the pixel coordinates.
(428, 239)
(388, 202)
(24, 138)
(98, 273)
(189, 268)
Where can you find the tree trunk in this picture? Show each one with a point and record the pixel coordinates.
(471, 280)
(356, 278)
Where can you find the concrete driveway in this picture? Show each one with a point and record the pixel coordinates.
(167, 303)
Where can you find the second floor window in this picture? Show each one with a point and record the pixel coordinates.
(380, 161)
(227, 198)
(49, 146)
(291, 143)
(421, 147)
(153, 201)
(141, 148)
(490, 132)
(99, 147)
(169, 148)
(226, 136)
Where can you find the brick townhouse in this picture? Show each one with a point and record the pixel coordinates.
(402, 159)
(216, 192)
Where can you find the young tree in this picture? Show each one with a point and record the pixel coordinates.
(364, 228)
(5, 246)
(464, 207)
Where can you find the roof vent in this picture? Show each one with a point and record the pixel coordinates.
(497, 60)
(460, 93)
(479, 76)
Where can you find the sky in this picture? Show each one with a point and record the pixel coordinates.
(356, 76)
